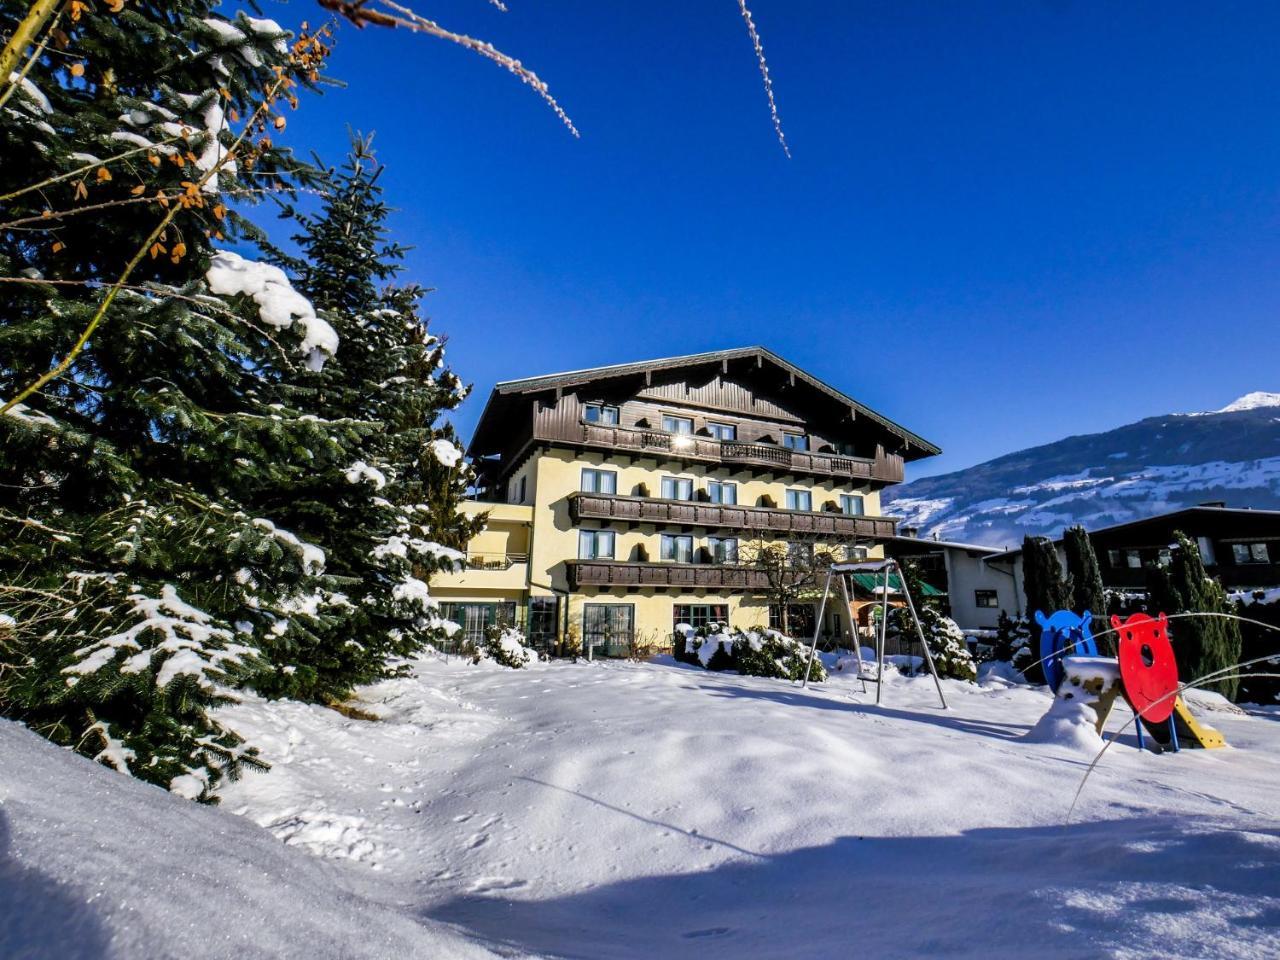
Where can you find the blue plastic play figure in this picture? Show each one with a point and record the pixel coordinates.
(1063, 634)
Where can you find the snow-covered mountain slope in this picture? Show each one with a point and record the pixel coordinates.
(1134, 471)
(95, 866)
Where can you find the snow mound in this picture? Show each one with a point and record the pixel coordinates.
(94, 865)
(1252, 401)
(1068, 723)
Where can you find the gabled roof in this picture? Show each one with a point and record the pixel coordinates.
(571, 378)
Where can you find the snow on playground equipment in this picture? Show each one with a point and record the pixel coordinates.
(883, 569)
(1144, 672)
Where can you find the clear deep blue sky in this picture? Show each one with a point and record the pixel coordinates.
(1004, 222)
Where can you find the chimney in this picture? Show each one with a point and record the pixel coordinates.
(912, 532)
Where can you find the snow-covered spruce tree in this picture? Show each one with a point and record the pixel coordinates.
(388, 516)
(1201, 645)
(138, 581)
(946, 642)
(1013, 642)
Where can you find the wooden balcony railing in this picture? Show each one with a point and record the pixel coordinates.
(883, 468)
(690, 513)
(618, 573)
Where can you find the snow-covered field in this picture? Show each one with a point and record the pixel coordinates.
(615, 810)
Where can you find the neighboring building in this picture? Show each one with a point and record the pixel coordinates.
(620, 497)
(975, 592)
(1240, 547)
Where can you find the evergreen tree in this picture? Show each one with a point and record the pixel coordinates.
(137, 567)
(388, 517)
(1013, 642)
(1085, 576)
(1045, 589)
(951, 656)
(1201, 645)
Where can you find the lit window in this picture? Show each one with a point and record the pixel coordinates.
(677, 488)
(595, 544)
(795, 441)
(680, 425)
(723, 431)
(723, 549)
(852, 504)
(726, 493)
(677, 549)
(599, 413)
(799, 500)
(599, 481)
(986, 599)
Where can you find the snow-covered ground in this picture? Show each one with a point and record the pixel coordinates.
(619, 810)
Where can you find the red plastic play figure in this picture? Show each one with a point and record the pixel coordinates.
(1147, 666)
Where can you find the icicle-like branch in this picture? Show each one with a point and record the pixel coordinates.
(401, 16)
(764, 74)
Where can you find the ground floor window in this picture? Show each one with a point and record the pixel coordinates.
(800, 619)
(986, 599)
(608, 629)
(699, 614)
(543, 614)
(476, 618)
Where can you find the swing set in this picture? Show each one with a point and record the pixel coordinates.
(884, 570)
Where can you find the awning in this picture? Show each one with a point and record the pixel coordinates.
(871, 582)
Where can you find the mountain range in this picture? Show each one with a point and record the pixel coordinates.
(1135, 471)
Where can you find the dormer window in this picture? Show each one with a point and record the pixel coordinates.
(599, 413)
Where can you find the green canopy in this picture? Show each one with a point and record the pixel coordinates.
(871, 582)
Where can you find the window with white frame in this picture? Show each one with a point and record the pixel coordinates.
(599, 481)
(722, 431)
(799, 500)
(723, 549)
(677, 548)
(595, 544)
(852, 504)
(699, 614)
(600, 413)
(673, 424)
(677, 488)
(854, 553)
(720, 492)
(795, 441)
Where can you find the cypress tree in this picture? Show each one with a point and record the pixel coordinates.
(140, 569)
(1087, 591)
(1201, 645)
(1045, 589)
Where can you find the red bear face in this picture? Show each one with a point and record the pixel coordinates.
(1147, 666)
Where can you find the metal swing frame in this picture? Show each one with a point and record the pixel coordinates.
(883, 568)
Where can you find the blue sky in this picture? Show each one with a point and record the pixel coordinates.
(1003, 222)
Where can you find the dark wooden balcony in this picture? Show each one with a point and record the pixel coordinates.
(693, 576)
(690, 513)
(883, 468)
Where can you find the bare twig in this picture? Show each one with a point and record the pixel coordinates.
(764, 74)
(24, 34)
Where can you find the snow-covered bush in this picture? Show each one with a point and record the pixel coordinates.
(946, 641)
(1013, 642)
(505, 646)
(755, 653)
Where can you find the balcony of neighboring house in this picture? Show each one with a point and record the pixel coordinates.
(486, 571)
(683, 576)
(882, 468)
(690, 513)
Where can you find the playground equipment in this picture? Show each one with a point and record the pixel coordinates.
(1144, 672)
(882, 569)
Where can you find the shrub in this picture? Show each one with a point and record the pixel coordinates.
(946, 642)
(1013, 642)
(753, 653)
(505, 646)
